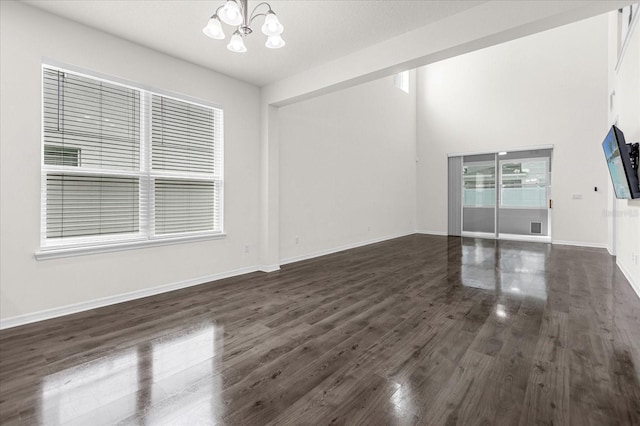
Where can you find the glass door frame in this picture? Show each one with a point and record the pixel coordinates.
(487, 162)
(498, 195)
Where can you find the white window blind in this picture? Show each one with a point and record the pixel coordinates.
(83, 205)
(186, 166)
(91, 157)
(182, 136)
(123, 164)
(184, 206)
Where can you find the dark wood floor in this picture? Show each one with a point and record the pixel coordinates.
(417, 330)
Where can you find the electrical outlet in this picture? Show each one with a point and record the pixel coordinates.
(297, 240)
(576, 196)
(634, 258)
(246, 248)
(368, 228)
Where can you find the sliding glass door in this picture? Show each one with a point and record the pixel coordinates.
(524, 196)
(506, 195)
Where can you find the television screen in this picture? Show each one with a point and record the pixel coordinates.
(623, 177)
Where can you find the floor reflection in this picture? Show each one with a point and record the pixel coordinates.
(188, 369)
(174, 380)
(506, 267)
(402, 403)
(72, 393)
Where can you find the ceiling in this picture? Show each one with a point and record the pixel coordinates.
(316, 31)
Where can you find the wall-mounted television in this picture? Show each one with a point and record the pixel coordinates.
(622, 160)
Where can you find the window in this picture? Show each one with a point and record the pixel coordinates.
(479, 184)
(125, 165)
(61, 155)
(524, 183)
(627, 20)
(184, 166)
(401, 81)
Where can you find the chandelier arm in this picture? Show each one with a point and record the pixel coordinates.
(255, 16)
(215, 14)
(260, 14)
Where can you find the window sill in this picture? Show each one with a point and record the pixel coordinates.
(59, 252)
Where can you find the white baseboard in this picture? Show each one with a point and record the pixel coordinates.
(580, 244)
(112, 300)
(268, 268)
(485, 235)
(627, 274)
(342, 248)
(438, 233)
(526, 238)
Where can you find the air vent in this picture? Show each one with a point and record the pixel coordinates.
(536, 227)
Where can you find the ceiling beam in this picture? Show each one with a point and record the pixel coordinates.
(485, 25)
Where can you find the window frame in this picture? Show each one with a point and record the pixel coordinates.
(146, 235)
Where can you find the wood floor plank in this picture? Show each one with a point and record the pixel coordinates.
(547, 397)
(461, 400)
(306, 366)
(553, 343)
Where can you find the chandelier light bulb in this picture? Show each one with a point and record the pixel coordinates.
(272, 26)
(236, 44)
(231, 13)
(214, 29)
(275, 42)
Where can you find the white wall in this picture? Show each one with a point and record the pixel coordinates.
(347, 168)
(28, 286)
(546, 89)
(626, 108)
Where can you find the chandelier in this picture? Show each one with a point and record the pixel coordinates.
(236, 13)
